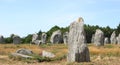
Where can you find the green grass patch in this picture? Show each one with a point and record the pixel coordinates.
(109, 46)
(47, 59)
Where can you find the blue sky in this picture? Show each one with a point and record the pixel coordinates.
(23, 17)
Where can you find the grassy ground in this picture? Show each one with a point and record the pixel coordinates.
(105, 55)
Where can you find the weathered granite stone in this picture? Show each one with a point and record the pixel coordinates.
(118, 39)
(77, 48)
(16, 39)
(24, 51)
(43, 38)
(34, 37)
(106, 40)
(92, 39)
(47, 54)
(99, 38)
(16, 55)
(37, 42)
(56, 37)
(2, 39)
(113, 38)
(65, 38)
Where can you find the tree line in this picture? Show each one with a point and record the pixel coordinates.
(89, 29)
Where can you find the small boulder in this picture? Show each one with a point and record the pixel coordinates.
(15, 55)
(47, 54)
(24, 51)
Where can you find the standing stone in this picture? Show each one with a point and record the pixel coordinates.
(99, 38)
(37, 42)
(113, 38)
(92, 39)
(77, 48)
(2, 39)
(106, 40)
(118, 39)
(56, 37)
(34, 37)
(65, 38)
(47, 54)
(16, 39)
(43, 38)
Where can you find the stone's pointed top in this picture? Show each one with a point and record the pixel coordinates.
(113, 32)
(80, 19)
(98, 30)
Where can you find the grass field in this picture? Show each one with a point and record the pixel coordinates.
(105, 55)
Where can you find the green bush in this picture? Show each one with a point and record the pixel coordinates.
(41, 59)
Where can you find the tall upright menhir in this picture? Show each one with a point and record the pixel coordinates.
(99, 38)
(113, 39)
(77, 48)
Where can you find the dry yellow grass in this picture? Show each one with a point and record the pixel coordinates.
(105, 55)
(5, 49)
(111, 50)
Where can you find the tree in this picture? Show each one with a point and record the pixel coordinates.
(118, 29)
(28, 38)
(9, 39)
(89, 29)
(39, 34)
